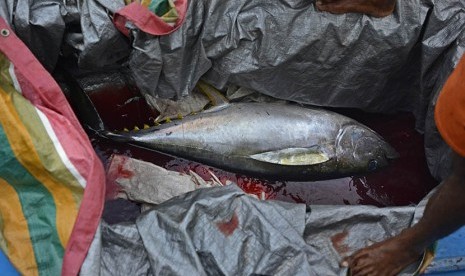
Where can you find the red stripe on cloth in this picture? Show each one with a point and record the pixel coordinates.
(42, 90)
(77, 147)
(147, 21)
(87, 221)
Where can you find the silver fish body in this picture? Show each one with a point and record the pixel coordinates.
(274, 141)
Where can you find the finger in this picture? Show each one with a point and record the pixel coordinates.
(362, 262)
(367, 271)
(357, 257)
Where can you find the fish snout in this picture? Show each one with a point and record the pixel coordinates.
(390, 153)
(381, 156)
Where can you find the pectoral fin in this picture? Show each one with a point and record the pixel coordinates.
(293, 156)
(216, 97)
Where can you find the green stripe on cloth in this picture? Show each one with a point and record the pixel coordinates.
(47, 153)
(38, 207)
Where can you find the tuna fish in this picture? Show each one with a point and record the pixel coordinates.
(271, 140)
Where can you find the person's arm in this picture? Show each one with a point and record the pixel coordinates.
(444, 213)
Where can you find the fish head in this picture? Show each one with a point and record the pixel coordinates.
(359, 148)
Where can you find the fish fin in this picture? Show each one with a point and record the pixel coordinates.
(294, 156)
(114, 136)
(214, 95)
(154, 104)
(215, 108)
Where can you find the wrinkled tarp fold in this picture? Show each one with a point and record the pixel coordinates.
(50, 27)
(223, 231)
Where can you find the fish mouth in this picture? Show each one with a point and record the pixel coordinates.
(390, 153)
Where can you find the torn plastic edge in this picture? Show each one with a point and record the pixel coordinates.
(147, 21)
(50, 96)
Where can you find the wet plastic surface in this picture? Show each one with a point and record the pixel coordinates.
(406, 181)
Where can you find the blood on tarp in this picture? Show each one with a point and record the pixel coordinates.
(406, 181)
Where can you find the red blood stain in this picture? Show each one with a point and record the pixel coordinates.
(296, 198)
(112, 188)
(228, 227)
(123, 173)
(338, 242)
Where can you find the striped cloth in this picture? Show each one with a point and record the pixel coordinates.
(48, 169)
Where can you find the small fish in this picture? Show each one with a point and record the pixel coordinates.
(277, 141)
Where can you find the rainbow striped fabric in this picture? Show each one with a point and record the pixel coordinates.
(48, 169)
(165, 9)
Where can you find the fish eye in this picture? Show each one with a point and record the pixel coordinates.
(372, 165)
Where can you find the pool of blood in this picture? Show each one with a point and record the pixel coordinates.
(406, 181)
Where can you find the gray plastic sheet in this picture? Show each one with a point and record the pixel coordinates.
(288, 50)
(80, 27)
(222, 231)
(443, 44)
(102, 45)
(39, 24)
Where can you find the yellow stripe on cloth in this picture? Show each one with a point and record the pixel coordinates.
(15, 232)
(49, 154)
(145, 3)
(23, 147)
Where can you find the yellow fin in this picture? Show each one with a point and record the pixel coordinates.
(213, 94)
(293, 156)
